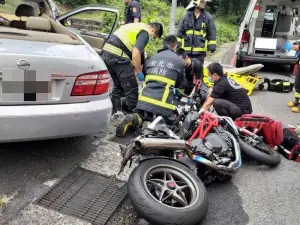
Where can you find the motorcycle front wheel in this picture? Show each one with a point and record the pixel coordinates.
(259, 152)
(164, 191)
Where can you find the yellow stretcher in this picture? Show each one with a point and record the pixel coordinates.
(248, 82)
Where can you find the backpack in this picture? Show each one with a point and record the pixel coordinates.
(263, 126)
(290, 146)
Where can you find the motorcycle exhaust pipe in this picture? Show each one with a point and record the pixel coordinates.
(148, 145)
(151, 145)
(237, 163)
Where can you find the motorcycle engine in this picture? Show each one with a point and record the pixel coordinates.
(211, 144)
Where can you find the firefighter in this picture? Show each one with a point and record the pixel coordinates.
(122, 55)
(132, 11)
(163, 70)
(193, 72)
(197, 31)
(295, 105)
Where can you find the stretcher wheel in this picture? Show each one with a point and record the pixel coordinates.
(261, 87)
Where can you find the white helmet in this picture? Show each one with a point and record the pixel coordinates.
(195, 3)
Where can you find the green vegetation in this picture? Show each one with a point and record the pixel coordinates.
(157, 10)
(154, 10)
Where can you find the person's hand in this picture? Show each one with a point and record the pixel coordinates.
(295, 48)
(198, 82)
(141, 76)
(175, 91)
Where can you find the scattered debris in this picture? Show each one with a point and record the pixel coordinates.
(50, 183)
(4, 199)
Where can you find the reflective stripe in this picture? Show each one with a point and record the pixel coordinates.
(115, 50)
(195, 49)
(179, 39)
(297, 95)
(199, 33)
(162, 103)
(156, 102)
(212, 42)
(160, 79)
(286, 83)
(128, 33)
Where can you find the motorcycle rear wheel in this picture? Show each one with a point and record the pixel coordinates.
(164, 191)
(261, 153)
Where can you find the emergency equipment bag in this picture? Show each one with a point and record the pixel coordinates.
(279, 85)
(263, 126)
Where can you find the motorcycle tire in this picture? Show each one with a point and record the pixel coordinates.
(144, 193)
(270, 157)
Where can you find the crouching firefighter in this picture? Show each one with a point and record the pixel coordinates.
(163, 70)
(122, 53)
(295, 105)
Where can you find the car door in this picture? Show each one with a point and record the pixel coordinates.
(93, 23)
(243, 28)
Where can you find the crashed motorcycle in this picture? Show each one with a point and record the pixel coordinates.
(190, 125)
(168, 185)
(252, 146)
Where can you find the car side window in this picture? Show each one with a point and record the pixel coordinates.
(93, 23)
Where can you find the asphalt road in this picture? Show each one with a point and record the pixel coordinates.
(256, 195)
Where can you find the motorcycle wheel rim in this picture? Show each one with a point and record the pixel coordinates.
(171, 186)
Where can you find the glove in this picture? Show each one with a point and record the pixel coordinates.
(141, 76)
(175, 91)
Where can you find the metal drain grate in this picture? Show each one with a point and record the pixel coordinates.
(86, 195)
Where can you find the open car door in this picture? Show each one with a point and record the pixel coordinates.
(94, 23)
(243, 29)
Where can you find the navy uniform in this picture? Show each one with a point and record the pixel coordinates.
(197, 35)
(163, 70)
(132, 11)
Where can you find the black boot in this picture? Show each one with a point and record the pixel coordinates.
(130, 123)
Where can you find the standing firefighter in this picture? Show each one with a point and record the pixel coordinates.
(295, 105)
(122, 54)
(197, 31)
(132, 11)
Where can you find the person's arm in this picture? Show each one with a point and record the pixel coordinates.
(180, 32)
(217, 92)
(136, 11)
(181, 80)
(140, 44)
(211, 34)
(209, 101)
